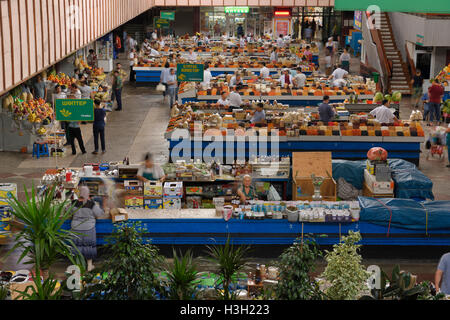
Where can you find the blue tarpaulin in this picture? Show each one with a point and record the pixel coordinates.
(409, 181)
(406, 213)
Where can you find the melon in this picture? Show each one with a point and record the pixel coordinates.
(388, 97)
(378, 97)
(377, 154)
(397, 96)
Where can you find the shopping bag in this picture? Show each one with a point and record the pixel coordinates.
(161, 87)
(273, 195)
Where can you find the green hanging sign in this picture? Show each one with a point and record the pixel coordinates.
(236, 9)
(168, 15)
(419, 6)
(159, 23)
(74, 109)
(190, 72)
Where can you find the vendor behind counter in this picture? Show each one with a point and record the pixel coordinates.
(150, 170)
(247, 191)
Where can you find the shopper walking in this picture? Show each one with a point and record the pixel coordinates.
(86, 211)
(163, 78)
(435, 93)
(344, 60)
(442, 275)
(172, 86)
(75, 133)
(417, 84)
(117, 47)
(117, 89)
(99, 126)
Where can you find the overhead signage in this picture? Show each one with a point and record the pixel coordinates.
(159, 23)
(420, 40)
(236, 9)
(190, 72)
(74, 109)
(357, 21)
(168, 15)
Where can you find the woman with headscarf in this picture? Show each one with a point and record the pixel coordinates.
(86, 211)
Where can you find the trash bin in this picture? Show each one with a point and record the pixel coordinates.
(376, 76)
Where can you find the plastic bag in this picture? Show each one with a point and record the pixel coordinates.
(160, 87)
(273, 194)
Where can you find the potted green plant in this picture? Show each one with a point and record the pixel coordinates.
(344, 272)
(229, 261)
(295, 265)
(42, 238)
(46, 289)
(182, 277)
(129, 270)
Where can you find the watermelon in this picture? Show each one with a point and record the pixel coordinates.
(397, 96)
(388, 97)
(378, 97)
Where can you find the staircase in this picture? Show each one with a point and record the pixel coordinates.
(400, 80)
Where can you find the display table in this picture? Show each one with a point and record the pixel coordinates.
(286, 99)
(202, 226)
(342, 147)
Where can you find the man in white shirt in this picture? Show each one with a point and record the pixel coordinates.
(131, 59)
(234, 98)
(299, 79)
(280, 41)
(383, 114)
(192, 56)
(85, 90)
(207, 76)
(286, 78)
(131, 43)
(146, 45)
(264, 72)
(223, 101)
(338, 74)
(154, 35)
(274, 55)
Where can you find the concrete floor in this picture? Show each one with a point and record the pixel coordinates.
(140, 128)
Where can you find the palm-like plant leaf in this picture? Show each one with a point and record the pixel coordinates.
(43, 239)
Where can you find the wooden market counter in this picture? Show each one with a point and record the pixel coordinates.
(202, 226)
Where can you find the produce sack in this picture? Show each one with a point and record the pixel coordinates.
(273, 194)
(406, 213)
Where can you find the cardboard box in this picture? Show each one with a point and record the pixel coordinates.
(172, 203)
(378, 187)
(133, 187)
(119, 214)
(153, 189)
(134, 202)
(7, 190)
(173, 189)
(153, 203)
(303, 165)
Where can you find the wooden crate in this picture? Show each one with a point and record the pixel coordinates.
(327, 189)
(306, 163)
(366, 192)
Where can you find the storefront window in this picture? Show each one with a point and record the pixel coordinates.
(215, 21)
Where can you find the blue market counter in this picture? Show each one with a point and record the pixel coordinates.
(148, 76)
(185, 231)
(341, 147)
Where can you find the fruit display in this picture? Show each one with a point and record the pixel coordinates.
(444, 75)
(98, 74)
(301, 122)
(61, 79)
(446, 108)
(79, 63)
(34, 111)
